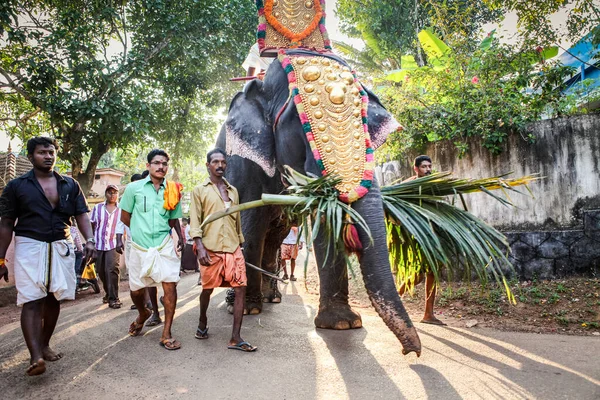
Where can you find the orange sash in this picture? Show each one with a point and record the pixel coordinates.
(172, 195)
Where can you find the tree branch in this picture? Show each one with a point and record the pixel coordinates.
(13, 85)
(24, 119)
(157, 49)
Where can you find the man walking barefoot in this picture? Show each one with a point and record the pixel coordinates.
(150, 208)
(422, 168)
(43, 202)
(218, 244)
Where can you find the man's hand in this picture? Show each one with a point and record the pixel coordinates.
(89, 251)
(300, 246)
(120, 246)
(201, 253)
(180, 245)
(3, 269)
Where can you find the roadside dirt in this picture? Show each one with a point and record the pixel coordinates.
(567, 306)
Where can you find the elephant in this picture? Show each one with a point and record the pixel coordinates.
(262, 134)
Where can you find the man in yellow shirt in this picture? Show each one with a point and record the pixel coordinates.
(218, 245)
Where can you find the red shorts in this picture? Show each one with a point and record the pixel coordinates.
(289, 251)
(225, 270)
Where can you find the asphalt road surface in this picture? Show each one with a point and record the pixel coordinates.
(294, 360)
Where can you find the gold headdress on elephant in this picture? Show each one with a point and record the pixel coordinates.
(287, 24)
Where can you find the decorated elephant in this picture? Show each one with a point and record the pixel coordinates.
(311, 114)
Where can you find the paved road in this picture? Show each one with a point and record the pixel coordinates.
(294, 360)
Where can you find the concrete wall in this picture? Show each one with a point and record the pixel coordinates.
(555, 233)
(566, 153)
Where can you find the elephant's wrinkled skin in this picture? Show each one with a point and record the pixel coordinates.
(262, 133)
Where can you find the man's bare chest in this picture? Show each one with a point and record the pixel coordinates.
(50, 190)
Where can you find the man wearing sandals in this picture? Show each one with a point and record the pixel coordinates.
(42, 203)
(150, 207)
(218, 246)
(106, 222)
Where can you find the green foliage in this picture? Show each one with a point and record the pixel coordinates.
(389, 28)
(106, 75)
(467, 87)
(490, 92)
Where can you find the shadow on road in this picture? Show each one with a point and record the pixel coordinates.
(103, 362)
(351, 356)
(517, 365)
(435, 384)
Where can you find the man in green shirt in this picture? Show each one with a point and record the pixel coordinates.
(145, 209)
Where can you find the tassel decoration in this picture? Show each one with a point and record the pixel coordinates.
(350, 234)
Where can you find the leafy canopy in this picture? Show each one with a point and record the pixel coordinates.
(103, 75)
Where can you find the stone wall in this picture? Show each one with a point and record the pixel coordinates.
(556, 253)
(556, 232)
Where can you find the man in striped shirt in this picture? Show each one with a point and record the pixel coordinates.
(106, 221)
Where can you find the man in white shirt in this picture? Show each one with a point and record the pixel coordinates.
(254, 64)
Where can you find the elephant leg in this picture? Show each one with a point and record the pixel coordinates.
(255, 223)
(334, 310)
(275, 235)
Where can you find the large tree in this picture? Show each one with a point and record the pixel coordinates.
(105, 74)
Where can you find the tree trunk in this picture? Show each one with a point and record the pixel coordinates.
(86, 178)
(73, 151)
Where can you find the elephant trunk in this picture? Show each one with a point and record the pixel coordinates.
(377, 274)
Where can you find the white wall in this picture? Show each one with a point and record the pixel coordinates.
(566, 153)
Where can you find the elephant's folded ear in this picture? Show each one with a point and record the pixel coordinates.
(381, 122)
(247, 131)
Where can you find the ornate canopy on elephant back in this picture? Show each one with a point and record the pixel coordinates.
(285, 24)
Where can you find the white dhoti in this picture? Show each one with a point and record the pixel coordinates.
(153, 266)
(42, 268)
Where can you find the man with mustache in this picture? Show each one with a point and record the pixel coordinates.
(422, 168)
(152, 261)
(218, 245)
(42, 202)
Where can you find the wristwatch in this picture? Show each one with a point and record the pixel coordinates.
(91, 240)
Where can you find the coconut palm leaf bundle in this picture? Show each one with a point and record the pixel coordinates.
(426, 232)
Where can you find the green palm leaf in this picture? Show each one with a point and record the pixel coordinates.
(425, 232)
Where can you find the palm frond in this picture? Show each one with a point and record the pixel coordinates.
(425, 232)
(443, 184)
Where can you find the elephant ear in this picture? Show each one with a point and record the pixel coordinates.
(248, 133)
(381, 122)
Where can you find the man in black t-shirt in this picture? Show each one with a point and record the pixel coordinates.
(43, 202)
